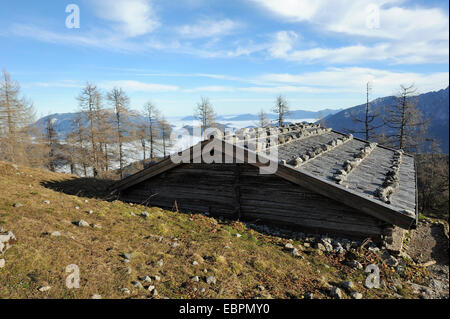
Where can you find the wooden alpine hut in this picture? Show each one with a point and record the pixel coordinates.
(325, 182)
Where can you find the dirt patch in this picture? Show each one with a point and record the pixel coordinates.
(430, 242)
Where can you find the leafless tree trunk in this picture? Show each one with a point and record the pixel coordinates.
(263, 120)
(120, 101)
(16, 113)
(166, 130)
(368, 121)
(282, 109)
(204, 112)
(406, 121)
(90, 104)
(152, 114)
(51, 136)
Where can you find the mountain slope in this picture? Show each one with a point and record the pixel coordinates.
(163, 244)
(434, 105)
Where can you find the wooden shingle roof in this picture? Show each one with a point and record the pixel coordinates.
(374, 179)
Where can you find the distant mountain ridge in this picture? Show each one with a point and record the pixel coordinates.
(294, 114)
(64, 121)
(434, 105)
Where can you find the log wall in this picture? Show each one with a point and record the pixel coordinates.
(239, 191)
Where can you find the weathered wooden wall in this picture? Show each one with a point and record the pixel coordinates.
(239, 191)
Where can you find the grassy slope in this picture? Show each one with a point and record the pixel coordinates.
(254, 259)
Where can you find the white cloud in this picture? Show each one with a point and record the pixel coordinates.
(61, 84)
(404, 34)
(132, 17)
(137, 86)
(211, 88)
(353, 79)
(105, 40)
(208, 28)
(395, 52)
(354, 17)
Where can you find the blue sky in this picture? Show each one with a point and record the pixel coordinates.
(240, 54)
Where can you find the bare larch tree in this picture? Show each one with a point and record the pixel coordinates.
(204, 112)
(89, 101)
(405, 121)
(120, 101)
(368, 119)
(166, 131)
(281, 108)
(152, 115)
(52, 141)
(16, 113)
(263, 120)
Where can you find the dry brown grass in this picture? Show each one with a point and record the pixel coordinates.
(39, 259)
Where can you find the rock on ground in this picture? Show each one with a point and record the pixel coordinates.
(7, 239)
(356, 295)
(336, 293)
(82, 223)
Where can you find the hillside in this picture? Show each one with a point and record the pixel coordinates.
(433, 105)
(121, 244)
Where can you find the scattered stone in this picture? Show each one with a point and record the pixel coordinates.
(97, 226)
(156, 278)
(151, 288)
(348, 285)
(390, 261)
(125, 291)
(175, 244)
(17, 205)
(82, 223)
(328, 246)
(356, 295)
(154, 292)
(77, 207)
(146, 279)
(309, 295)
(137, 284)
(288, 246)
(126, 256)
(44, 288)
(90, 212)
(128, 269)
(335, 292)
(195, 263)
(145, 214)
(211, 280)
(307, 245)
(320, 247)
(46, 202)
(355, 264)
(7, 239)
(202, 289)
(374, 249)
(55, 234)
(132, 214)
(295, 253)
(160, 263)
(2, 263)
(96, 297)
(227, 247)
(261, 288)
(195, 279)
(86, 201)
(237, 235)
(125, 261)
